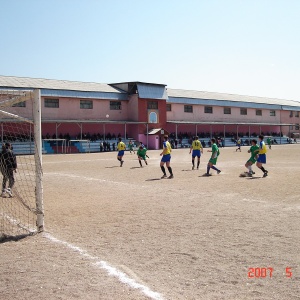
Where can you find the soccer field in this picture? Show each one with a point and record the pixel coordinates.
(124, 233)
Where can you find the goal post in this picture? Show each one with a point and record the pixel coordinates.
(21, 201)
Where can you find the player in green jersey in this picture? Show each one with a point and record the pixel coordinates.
(252, 160)
(214, 157)
(141, 153)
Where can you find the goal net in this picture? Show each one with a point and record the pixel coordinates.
(21, 201)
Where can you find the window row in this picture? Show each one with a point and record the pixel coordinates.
(84, 104)
(226, 110)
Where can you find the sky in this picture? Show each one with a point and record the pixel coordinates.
(246, 47)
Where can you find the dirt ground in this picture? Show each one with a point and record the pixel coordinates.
(124, 233)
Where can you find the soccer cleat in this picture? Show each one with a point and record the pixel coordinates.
(265, 174)
(121, 165)
(164, 176)
(219, 171)
(193, 167)
(171, 176)
(146, 163)
(207, 174)
(9, 192)
(3, 193)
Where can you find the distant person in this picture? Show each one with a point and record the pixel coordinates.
(166, 158)
(262, 158)
(253, 150)
(121, 147)
(197, 149)
(269, 142)
(141, 153)
(238, 143)
(214, 157)
(8, 165)
(130, 146)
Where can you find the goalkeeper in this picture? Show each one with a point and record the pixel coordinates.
(141, 153)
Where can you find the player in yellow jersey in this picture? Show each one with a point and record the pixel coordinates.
(197, 150)
(121, 147)
(166, 158)
(262, 158)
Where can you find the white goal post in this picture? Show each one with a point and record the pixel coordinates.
(21, 201)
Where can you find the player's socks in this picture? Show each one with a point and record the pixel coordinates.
(216, 169)
(208, 168)
(163, 170)
(263, 169)
(198, 163)
(170, 170)
(140, 163)
(119, 159)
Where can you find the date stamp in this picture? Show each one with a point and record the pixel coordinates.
(267, 272)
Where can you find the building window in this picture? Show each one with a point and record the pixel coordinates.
(169, 107)
(243, 111)
(291, 114)
(188, 108)
(115, 105)
(86, 104)
(208, 109)
(259, 112)
(20, 104)
(54, 103)
(272, 113)
(153, 117)
(297, 114)
(297, 126)
(152, 105)
(227, 110)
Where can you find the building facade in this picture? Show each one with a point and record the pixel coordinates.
(135, 109)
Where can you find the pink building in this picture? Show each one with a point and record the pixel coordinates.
(145, 111)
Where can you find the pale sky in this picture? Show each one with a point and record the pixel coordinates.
(247, 47)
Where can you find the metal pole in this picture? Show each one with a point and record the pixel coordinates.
(125, 131)
(38, 160)
(147, 136)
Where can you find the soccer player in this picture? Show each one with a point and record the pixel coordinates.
(166, 158)
(141, 153)
(269, 142)
(214, 157)
(141, 144)
(238, 143)
(262, 158)
(130, 146)
(253, 150)
(121, 147)
(197, 150)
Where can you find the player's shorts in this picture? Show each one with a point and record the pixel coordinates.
(252, 159)
(166, 158)
(213, 160)
(196, 153)
(121, 153)
(262, 158)
(142, 157)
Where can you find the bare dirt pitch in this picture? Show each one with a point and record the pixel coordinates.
(122, 233)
